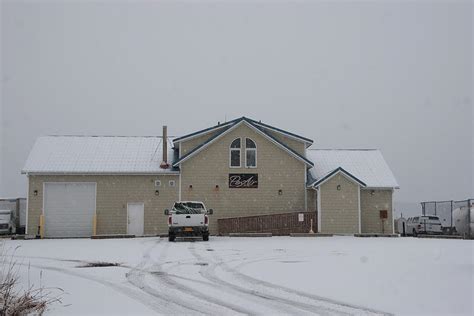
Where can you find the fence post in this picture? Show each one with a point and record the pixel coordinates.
(469, 217)
(422, 208)
(451, 225)
(436, 203)
(17, 214)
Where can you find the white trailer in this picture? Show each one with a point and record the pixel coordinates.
(463, 218)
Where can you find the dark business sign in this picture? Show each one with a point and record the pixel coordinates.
(243, 180)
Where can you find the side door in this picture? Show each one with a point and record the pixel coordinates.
(135, 219)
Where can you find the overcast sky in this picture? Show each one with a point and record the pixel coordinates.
(388, 74)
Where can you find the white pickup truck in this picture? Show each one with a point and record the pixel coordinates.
(188, 219)
(424, 225)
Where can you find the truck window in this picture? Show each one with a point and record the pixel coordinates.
(188, 208)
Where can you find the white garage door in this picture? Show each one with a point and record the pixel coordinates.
(69, 209)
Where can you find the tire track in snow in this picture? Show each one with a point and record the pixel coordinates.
(125, 290)
(279, 304)
(142, 286)
(185, 297)
(250, 279)
(137, 276)
(308, 302)
(200, 295)
(213, 305)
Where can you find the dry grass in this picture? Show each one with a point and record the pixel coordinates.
(13, 300)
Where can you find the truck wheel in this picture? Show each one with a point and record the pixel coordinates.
(171, 237)
(205, 237)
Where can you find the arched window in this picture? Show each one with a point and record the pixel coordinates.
(234, 153)
(250, 153)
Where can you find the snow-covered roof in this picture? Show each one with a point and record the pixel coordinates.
(98, 154)
(367, 165)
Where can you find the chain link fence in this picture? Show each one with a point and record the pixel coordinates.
(457, 217)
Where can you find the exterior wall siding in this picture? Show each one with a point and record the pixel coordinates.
(312, 199)
(189, 145)
(113, 194)
(370, 207)
(296, 145)
(339, 208)
(276, 170)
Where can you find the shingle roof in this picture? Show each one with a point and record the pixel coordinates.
(97, 154)
(368, 166)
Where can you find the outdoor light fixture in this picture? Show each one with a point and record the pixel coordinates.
(338, 187)
(35, 192)
(372, 192)
(157, 192)
(280, 192)
(217, 186)
(190, 186)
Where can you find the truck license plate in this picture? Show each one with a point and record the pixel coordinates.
(188, 229)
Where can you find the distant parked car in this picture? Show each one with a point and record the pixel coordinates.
(424, 225)
(7, 225)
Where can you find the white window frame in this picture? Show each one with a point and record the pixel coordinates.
(235, 149)
(250, 149)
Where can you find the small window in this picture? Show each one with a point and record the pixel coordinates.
(235, 153)
(157, 183)
(172, 183)
(250, 153)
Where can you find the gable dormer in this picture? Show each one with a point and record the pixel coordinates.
(190, 142)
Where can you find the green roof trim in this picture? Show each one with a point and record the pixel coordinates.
(209, 129)
(234, 123)
(332, 173)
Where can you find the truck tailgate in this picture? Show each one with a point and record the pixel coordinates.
(187, 219)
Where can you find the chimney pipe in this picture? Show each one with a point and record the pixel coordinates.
(164, 164)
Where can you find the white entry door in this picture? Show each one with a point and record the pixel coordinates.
(135, 219)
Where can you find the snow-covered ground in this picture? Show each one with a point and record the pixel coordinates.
(278, 275)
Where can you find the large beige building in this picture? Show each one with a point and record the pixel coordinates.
(82, 185)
